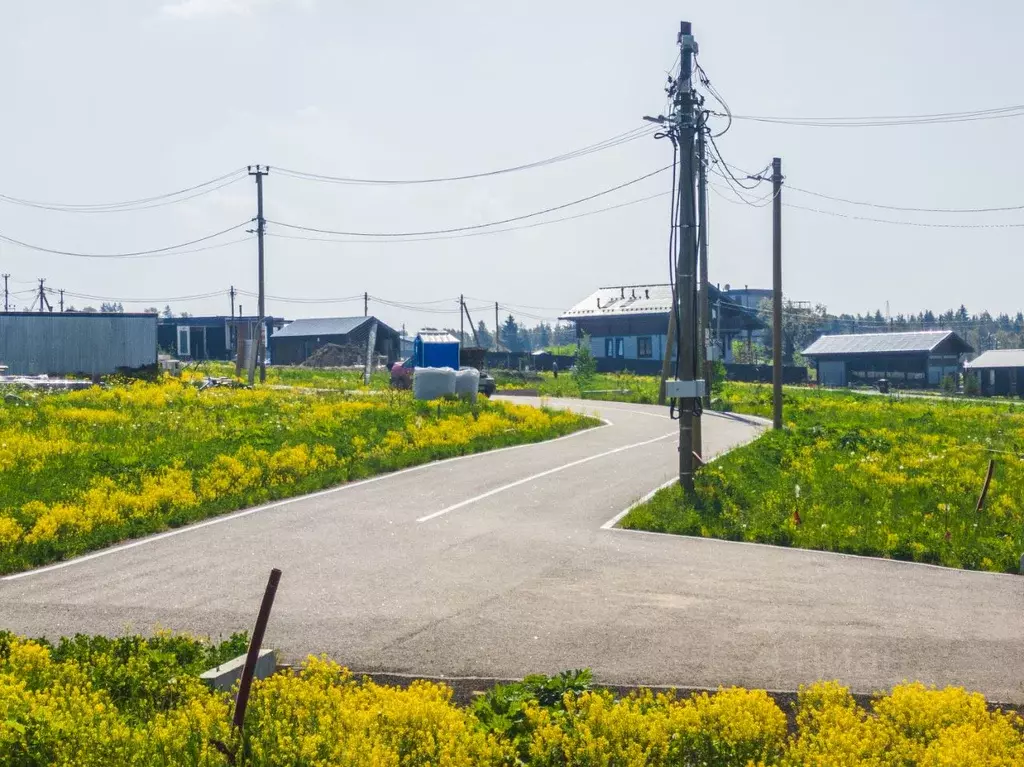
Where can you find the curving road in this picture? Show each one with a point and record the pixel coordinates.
(503, 564)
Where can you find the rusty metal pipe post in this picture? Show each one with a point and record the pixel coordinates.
(245, 684)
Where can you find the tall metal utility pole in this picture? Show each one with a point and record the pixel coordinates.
(702, 233)
(231, 293)
(777, 293)
(259, 171)
(7, 306)
(366, 304)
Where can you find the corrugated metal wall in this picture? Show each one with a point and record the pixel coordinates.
(84, 344)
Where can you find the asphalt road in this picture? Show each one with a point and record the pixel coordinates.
(501, 564)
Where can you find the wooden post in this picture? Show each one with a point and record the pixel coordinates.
(245, 683)
(984, 487)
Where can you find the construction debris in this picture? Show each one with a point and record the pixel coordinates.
(336, 356)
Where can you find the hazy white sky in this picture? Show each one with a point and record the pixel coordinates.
(118, 99)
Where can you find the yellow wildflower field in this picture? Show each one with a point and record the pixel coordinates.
(85, 469)
(134, 701)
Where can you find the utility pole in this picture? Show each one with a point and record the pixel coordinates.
(259, 171)
(366, 304)
(44, 304)
(62, 300)
(7, 306)
(462, 311)
(702, 232)
(683, 126)
(497, 329)
(232, 294)
(777, 293)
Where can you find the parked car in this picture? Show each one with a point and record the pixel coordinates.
(401, 378)
(882, 384)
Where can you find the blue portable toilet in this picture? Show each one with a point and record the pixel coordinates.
(435, 348)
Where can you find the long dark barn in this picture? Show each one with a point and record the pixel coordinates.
(296, 341)
(917, 360)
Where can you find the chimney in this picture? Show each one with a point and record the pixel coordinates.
(598, 302)
(633, 293)
(647, 293)
(622, 292)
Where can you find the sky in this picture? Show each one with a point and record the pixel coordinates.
(125, 99)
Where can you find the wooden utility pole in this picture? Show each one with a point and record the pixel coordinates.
(497, 329)
(366, 304)
(259, 171)
(462, 324)
(231, 293)
(7, 306)
(777, 293)
(61, 300)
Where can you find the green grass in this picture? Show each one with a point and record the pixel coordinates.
(313, 378)
(619, 387)
(862, 475)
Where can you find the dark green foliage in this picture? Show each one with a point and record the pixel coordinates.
(501, 709)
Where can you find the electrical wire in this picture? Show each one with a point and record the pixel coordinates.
(166, 299)
(759, 202)
(717, 154)
(472, 227)
(1016, 110)
(139, 204)
(622, 138)
(999, 209)
(706, 82)
(169, 250)
(390, 241)
(921, 224)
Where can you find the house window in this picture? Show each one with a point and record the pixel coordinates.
(609, 347)
(620, 347)
(644, 348)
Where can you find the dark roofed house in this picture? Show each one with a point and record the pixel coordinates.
(628, 324)
(915, 360)
(1000, 372)
(210, 337)
(296, 341)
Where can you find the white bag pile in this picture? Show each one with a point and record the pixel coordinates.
(431, 383)
(467, 383)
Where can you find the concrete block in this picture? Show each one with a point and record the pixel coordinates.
(224, 676)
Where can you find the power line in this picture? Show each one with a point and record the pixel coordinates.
(1016, 110)
(168, 250)
(922, 224)
(470, 234)
(998, 209)
(139, 204)
(474, 227)
(165, 299)
(622, 138)
(759, 202)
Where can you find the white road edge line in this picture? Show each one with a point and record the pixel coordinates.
(545, 473)
(611, 523)
(284, 502)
